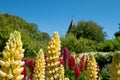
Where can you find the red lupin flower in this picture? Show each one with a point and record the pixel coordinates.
(83, 62)
(65, 55)
(31, 65)
(77, 72)
(71, 62)
(24, 73)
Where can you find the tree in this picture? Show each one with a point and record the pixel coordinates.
(78, 45)
(88, 30)
(117, 34)
(30, 34)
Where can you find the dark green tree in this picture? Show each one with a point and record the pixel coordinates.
(117, 34)
(88, 30)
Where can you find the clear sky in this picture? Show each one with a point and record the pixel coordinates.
(56, 15)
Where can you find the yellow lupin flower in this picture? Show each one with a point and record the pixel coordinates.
(54, 71)
(61, 72)
(92, 68)
(11, 63)
(66, 78)
(39, 70)
(115, 66)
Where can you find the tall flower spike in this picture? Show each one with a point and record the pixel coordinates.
(66, 78)
(11, 63)
(53, 67)
(92, 68)
(83, 62)
(65, 55)
(39, 70)
(115, 67)
(71, 62)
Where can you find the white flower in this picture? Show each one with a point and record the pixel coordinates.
(2, 63)
(53, 71)
(22, 63)
(56, 69)
(7, 47)
(51, 78)
(22, 50)
(66, 78)
(20, 77)
(10, 76)
(49, 51)
(48, 47)
(7, 64)
(52, 64)
(50, 72)
(18, 70)
(4, 54)
(12, 49)
(51, 58)
(118, 72)
(2, 74)
(55, 76)
(21, 56)
(48, 64)
(90, 75)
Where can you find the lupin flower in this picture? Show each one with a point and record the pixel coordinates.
(92, 68)
(61, 72)
(65, 55)
(115, 66)
(71, 62)
(39, 70)
(31, 65)
(62, 62)
(53, 66)
(77, 72)
(66, 78)
(83, 62)
(24, 72)
(11, 63)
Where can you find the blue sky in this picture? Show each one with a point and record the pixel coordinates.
(56, 15)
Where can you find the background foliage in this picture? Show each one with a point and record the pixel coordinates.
(33, 39)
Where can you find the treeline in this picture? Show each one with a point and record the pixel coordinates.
(85, 36)
(88, 36)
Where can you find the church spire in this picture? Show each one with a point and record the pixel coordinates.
(72, 24)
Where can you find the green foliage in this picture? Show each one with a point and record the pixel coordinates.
(78, 45)
(83, 75)
(32, 38)
(103, 59)
(116, 43)
(105, 46)
(70, 74)
(109, 45)
(105, 72)
(117, 34)
(88, 30)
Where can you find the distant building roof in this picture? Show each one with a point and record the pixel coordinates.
(71, 25)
